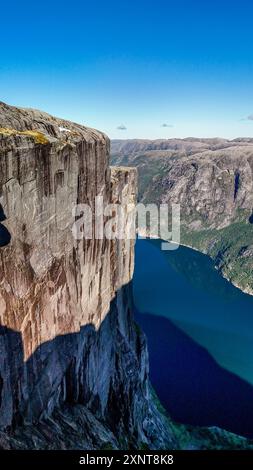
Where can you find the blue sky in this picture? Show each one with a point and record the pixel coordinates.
(157, 68)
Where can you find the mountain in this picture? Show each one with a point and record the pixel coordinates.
(73, 362)
(212, 180)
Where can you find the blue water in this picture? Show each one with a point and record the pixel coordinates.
(5, 236)
(200, 337)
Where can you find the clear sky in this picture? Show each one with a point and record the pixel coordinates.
(143, 68)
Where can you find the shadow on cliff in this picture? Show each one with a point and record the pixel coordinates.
(49, 374)
(58, 372)
(101, 369)
(191, 385)
(5, 236)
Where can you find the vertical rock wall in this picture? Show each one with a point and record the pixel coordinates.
(60, 340)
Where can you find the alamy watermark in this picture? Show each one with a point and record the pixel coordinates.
(124, 222)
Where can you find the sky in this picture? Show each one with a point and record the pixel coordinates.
(133, 69)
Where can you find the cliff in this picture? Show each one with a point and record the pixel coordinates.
(67, 333)
(212, 180)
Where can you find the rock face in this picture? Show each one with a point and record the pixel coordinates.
(212, 187)
(212, 180)
(39, 187)
(67, 336)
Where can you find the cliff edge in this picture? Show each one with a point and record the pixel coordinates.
(68, 340)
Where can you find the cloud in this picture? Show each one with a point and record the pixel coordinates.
(122, 127)
(248, 118)
(166, 125)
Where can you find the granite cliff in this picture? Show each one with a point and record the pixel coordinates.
(212, 180)
(73, 363)
(67, 333)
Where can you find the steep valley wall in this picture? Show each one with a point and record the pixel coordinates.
(67, 333)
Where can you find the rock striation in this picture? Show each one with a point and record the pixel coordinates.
(67, 333)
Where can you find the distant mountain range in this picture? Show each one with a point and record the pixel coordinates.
(188, 145)
(212, 180)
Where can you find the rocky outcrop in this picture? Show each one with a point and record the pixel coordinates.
(67, 332)
(41, 182)
(212, 180)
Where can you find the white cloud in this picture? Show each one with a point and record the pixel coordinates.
(166, 125)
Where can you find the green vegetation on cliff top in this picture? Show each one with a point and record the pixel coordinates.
(38, 137)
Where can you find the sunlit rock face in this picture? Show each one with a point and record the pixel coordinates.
(52, 284)
(67, 336)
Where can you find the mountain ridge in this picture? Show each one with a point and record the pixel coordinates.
(213, 185)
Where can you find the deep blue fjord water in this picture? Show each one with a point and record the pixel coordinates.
(200, 337)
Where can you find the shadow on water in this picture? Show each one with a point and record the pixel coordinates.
(189, 382)
(5, 236)
(184, 287)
